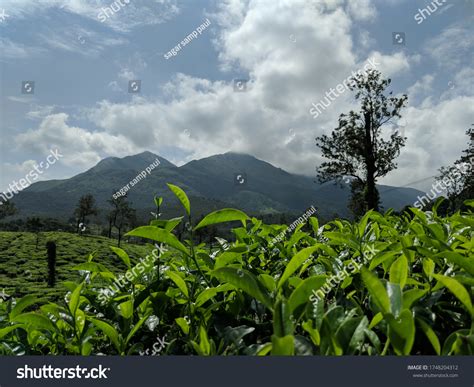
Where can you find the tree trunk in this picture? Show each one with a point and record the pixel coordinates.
(371, 190)
(119, 236)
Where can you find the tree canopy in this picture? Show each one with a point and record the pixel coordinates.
(357, 148)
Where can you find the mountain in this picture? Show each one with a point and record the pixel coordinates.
(224, 180)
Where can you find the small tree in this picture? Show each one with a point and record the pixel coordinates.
(7, 209)
(110, 218)
(85, 207)
(121, 216)
(458, 180)
(34, 225)
(356, 147)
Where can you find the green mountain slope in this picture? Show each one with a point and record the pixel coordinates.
(212, 183)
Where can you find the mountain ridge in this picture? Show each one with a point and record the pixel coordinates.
(230, 179)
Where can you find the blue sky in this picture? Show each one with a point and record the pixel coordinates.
(292, 52)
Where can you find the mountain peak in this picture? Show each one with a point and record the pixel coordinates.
(145, 154)
(239, 154)
(136, 162)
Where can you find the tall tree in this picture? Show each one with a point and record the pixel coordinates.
(85, 207)
(121, 215)
(458, 180)
(34, 225)
(7, 209)
(357, 148)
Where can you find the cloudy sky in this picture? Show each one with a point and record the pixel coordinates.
(82, 55)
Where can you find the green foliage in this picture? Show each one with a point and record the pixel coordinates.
(183, 198)
(24, 269)
(410, 294)
(121, 216)
(357, 148)
(458, 179)
(85, 207)
(7, 208)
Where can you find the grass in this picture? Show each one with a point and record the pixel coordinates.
(24, 268)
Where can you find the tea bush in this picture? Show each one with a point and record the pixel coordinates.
(24, 267)
(412, 296)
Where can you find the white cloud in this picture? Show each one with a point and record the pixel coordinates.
(79, 146)
(130, 70)
(271, 119)
(114, 86)
(435, 137)
(452, 46)
(362, 10)
(391, 64)
(26, 99)
(463, 82)
(129, 16)
(15, 50)
(12, 172)
(422, 88)
(40, 112)
(79, 40)
(365, 40)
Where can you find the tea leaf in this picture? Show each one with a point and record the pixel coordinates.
(159, 235)
(457, 289)
(222, 216)
(399, 271)
(295, 263)
(246, 281)
(376, 290)
(123, 255)
(180, 283)
(181, 195)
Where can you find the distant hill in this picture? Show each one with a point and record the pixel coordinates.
(230, 179)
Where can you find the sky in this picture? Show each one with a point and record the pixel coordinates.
(98, 78)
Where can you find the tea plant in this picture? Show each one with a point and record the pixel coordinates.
(413, 295)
